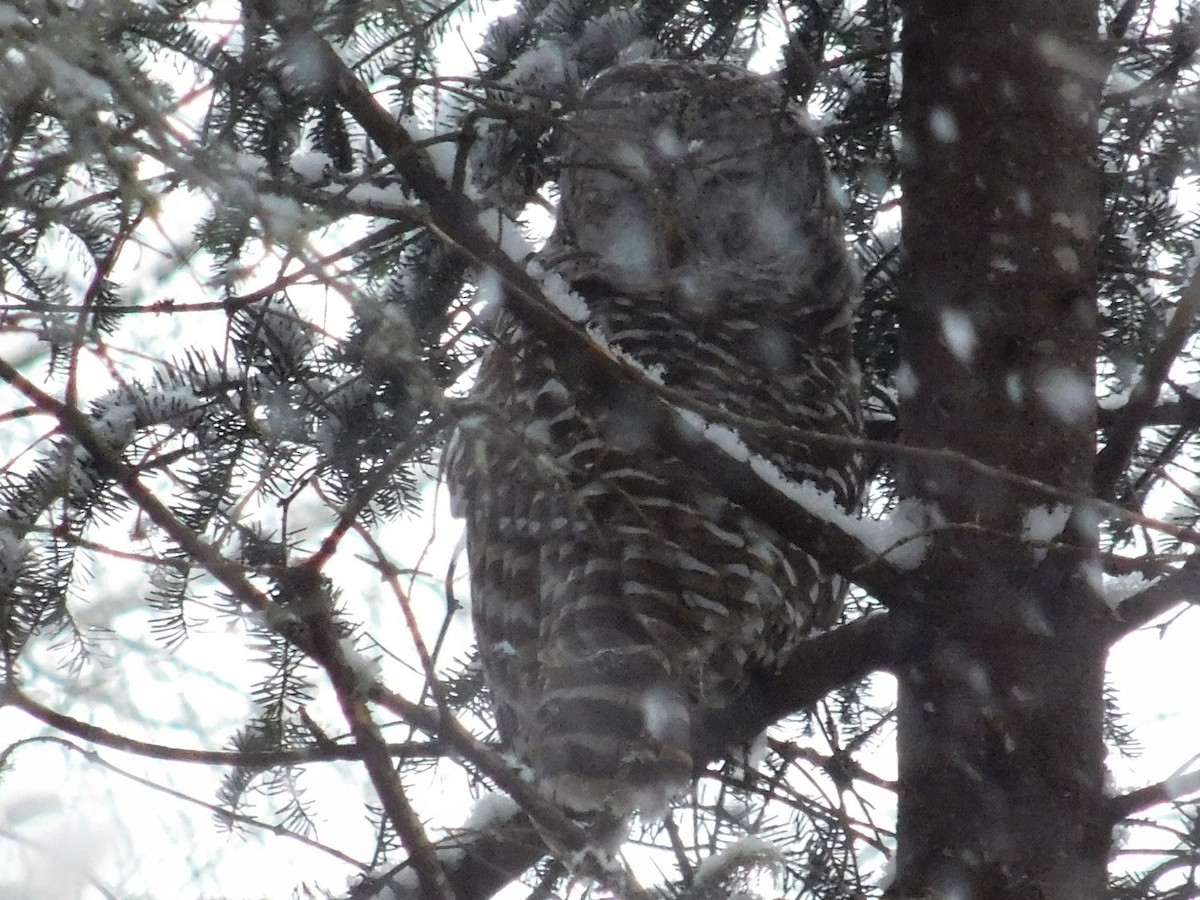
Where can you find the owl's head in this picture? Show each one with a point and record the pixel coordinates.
(694, 180)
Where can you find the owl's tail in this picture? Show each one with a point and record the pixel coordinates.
(614, 736)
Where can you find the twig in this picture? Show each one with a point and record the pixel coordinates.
(10, 695)
(213, 808)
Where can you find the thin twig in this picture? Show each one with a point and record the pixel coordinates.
(10, 695)
(224, 814)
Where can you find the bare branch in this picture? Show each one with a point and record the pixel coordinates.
(10, 695)
(819, 665)
(224, 814)
(1168, 790)
(326, 648)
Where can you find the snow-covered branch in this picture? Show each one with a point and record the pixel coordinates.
(837, 541)
(70, 469)
(1162, 594)
(882, 557)
(304, 615)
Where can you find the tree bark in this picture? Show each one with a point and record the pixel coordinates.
(1001, 713)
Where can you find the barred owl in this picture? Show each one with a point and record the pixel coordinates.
(615, 593)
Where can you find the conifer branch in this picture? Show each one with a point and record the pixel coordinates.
(1113, 460)
(13, 697)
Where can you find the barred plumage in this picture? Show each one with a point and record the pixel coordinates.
(615, 592)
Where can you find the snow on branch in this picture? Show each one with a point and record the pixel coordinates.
(849, 547)
(103, 462)
(1157, 597)
(883, 557)
(68, 469)
(901, 538)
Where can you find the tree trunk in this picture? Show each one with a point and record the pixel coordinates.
(1001, 709)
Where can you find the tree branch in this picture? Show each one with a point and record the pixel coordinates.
(481, 876)
(1181, 586)
(819, 665)
(310, 594)
(1113, 460)
(481, 863)
(1167, 791)
(218, 811)
(10, 695)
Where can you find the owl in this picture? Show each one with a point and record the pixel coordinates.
(615, 593)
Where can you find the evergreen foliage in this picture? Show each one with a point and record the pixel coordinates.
(235, 333)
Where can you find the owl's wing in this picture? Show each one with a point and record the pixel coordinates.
(490, 469)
